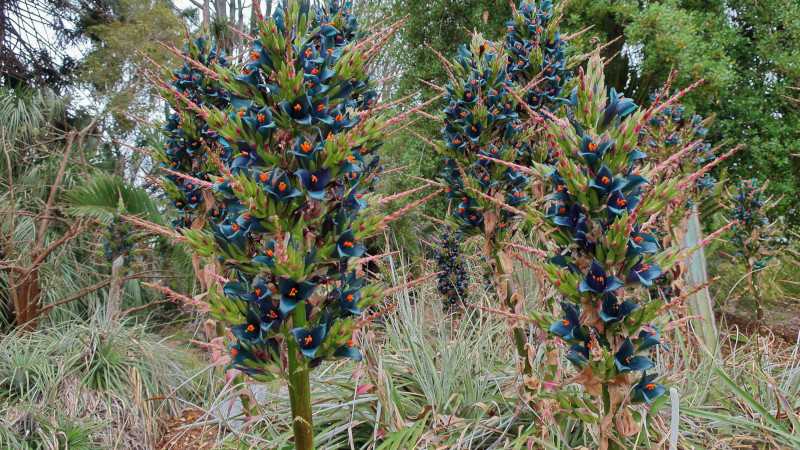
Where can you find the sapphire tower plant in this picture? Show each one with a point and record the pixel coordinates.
(286, 175)
(486, 132)
(603, 209)
(753, 236)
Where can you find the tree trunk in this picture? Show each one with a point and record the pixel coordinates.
(28, 295)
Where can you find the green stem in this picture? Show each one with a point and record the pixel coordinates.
(606, 399)
(300, 389)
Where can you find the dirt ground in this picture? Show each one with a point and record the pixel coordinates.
(194, 438)
(783, 319)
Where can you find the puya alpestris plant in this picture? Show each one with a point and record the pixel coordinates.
(452, 279)
(603, 210)
(120, 239)
(753, 236)
(485, 127)
(677, 143)
(292, 186)
(669, 133)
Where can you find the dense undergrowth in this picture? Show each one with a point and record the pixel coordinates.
(80, 385)
(430, 379)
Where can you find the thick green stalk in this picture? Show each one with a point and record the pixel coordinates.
(300, 389)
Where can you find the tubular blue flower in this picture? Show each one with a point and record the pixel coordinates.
(578, 354)
(299, 110)
(347, 247)
(646, 390)
(576, 222)
(234, 234)
(349, 301)
(650, 337)
(604, 181)
(348, 351)
(309, 341)
(271, 316)
(569, 327)
(260, 293)
(618, 203)
(641, 242)
(315, 183)
(672, 139)
(293, 293)
(473, 131)
(597, 281)
(305, 151)
(268, 256)
(613, 311)
(644, 273)
(263, 122)
(516, 197)
(592, 152)
(617, 107)
(250, 223)
(626, 361)
(341, 120)
(470, 217)
(280, 187)
(249, 331)
(485, 180)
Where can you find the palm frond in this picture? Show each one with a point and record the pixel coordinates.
(99, 197)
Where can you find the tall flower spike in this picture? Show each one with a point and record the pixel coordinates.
(603, 260)
(284, 229)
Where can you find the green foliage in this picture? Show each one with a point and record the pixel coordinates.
(99, 197)
(84, 387)
(746, 51)
(120, 38)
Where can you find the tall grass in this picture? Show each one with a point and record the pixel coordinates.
(75, 385)
(432, 380)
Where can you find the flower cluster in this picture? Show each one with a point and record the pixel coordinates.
(190, 153)
(119, 240)
(296, 189)
(484, 121)
(604, 258)
(451, 278)
(670, 132)
(280, 149)
(752, 235)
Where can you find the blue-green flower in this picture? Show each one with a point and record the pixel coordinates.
(644, 273)
(625, 360)
(613, 310)
(347, 247)
(309, 341)
(249, 331)
(647, 390)
(597, 281)
(280, 187)
(293, 293)
(569, 327)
